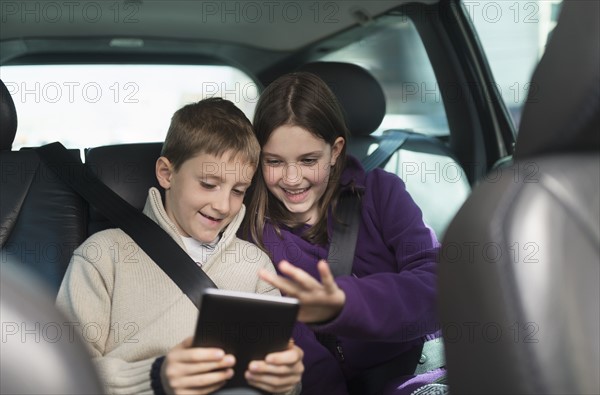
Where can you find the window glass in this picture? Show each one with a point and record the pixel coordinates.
(437, 183)
(513, 35)
(397, 59)
(90, 105)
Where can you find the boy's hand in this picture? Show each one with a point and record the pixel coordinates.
(278, 372)
(195, 370)
(319, 301)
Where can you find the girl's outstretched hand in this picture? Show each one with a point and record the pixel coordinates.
(319, 301)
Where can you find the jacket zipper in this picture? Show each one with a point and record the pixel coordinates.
(340, 351)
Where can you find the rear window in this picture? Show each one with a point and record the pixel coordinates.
(91, 105)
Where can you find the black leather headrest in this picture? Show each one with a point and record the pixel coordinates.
(127, 169)
(8, 119)
(562, 112)
(358, 92)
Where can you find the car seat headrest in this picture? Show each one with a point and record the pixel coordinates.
(358, 92)
(562, 111)
(8, 119)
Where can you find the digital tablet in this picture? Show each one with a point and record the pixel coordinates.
(246, 325)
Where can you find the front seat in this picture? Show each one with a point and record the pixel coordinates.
(519, 273)
(41, 350)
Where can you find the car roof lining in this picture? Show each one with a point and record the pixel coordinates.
(240, 23)
(257, 62)
(36, 46)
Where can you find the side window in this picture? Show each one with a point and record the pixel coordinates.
(396, 57)
(513, 35)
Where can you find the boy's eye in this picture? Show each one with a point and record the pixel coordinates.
(206, 185)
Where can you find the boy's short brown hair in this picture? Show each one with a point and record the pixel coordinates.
(212, 126)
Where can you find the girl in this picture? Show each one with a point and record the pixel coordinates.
(370, 326)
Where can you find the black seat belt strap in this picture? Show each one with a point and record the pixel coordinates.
(390, 142)
(151, 238)
(341, 251)
(345, 232)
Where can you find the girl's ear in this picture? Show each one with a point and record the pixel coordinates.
(336, 149)
(164, 171)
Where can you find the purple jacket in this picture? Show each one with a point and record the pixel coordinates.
(391, 294)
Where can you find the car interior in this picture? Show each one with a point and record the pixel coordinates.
(515, 206)
(532, 327)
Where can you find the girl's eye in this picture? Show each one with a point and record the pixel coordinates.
(309, 161)
(206, 185)
(272, 162)
(238, 192)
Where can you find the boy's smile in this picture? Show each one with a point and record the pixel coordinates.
(205, 194)
(211, 219)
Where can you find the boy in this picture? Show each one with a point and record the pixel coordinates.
(130, 313)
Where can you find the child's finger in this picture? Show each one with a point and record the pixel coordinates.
(187, 342)
(285, 286)
(290, 356)
(198, 354)
(298, 275)
(189, 369)
(326, 276)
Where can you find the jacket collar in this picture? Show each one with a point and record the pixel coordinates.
(155, 209)
(353, 175)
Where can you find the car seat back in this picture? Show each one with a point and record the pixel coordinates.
(42, 221)
(520, 264)
(127, 169)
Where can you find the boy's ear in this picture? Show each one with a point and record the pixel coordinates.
(164, 171)
(336, 149)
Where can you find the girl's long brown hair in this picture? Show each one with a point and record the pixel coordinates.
(297, 99)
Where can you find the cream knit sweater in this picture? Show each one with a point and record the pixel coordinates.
(128, 310)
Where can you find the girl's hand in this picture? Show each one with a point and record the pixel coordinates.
(319, 301)
(195, 370)
(278, 372)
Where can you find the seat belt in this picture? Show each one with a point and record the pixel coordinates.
(391, 142)
(341, 257)
(151, 238)
(345, 229)
(345, 232)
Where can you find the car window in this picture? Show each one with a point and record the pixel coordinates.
(91, 105)
(396, 57)
(513, 35)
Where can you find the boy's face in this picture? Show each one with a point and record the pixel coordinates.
(205, 194)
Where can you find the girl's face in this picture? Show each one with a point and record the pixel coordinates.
(296, 167)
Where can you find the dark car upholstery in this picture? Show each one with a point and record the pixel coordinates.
(41, 220)
(127, 169)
